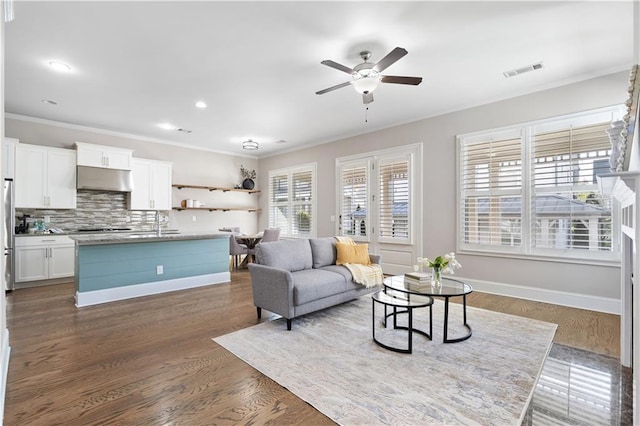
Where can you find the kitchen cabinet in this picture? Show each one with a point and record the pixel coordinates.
(9, 158)
(44, 257)
(151, 185)
(103, 156)
(45, 177)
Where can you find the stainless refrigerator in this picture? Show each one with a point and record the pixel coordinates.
(8, 235)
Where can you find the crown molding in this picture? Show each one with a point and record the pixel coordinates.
(71, 126)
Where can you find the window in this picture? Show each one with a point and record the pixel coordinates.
(353, 206)
(393, 176)
(532, 189)
(292, 201)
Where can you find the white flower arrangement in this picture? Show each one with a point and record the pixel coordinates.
(446, 263)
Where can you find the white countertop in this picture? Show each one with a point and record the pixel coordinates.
(133, 237)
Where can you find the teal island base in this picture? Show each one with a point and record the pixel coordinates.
(111, 268)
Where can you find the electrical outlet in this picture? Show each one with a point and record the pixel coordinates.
(128, 218)
(193, 218)
(332, 219)
(159, 270)
(47, 219)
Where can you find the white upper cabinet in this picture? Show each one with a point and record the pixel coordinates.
(107, 157)
(45, 177)
(151, 185)
(9, 158)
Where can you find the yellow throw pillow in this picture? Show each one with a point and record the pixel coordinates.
(352, 253)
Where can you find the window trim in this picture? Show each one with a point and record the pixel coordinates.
(527, 251)
(289, 172)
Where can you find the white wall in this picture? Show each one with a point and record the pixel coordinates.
(438, 134)
(190, 167)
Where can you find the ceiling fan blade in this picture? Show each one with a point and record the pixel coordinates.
(337, 86)
(368, 98)
(390, 59)
(401, 80)
(337, 66)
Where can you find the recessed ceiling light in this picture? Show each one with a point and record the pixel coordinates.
(49, 102)
(59, 66)
(201, 104)
(167, 126)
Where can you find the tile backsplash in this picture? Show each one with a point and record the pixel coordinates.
(95, 209)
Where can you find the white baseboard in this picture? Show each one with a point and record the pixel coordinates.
(89, 298)
(4, 365)
(574, 300)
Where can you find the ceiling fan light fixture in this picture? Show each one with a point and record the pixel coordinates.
(250, 145)
(366, 81)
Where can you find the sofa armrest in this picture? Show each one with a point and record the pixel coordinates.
(375, 258)
(272, 289)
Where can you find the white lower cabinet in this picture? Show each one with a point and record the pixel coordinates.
(44, 257)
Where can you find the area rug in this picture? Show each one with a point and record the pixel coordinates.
(330, 361)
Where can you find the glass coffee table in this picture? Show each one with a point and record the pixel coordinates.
(449, 288)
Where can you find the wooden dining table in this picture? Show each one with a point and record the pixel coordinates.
(250, 240)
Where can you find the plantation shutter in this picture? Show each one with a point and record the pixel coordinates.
(568, 211)
(302, 185)
(279, 202)
(354, 209)
(394, 220)
(491, 192)
(292, 201)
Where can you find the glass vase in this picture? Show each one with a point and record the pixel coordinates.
(436, 276)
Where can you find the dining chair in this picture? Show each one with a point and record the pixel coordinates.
(236, 250)
(270, 235)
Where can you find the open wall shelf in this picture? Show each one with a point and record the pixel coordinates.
(216, 188)
(217, 209)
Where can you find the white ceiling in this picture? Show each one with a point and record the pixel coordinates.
(257, 64)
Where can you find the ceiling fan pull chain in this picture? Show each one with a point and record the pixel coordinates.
(366, 113)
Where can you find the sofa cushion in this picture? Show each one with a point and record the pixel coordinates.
(324, 251)
(314, 284)
(291, 255)
(352, 253)
(342, 270)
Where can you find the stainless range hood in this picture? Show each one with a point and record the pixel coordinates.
(104, 179)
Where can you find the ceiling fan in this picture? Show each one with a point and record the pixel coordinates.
(366, 76)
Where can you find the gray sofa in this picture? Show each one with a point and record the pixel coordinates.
(295, 277)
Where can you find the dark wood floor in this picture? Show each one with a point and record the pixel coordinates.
(151, 361)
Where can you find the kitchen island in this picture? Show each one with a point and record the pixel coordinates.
(110, 267)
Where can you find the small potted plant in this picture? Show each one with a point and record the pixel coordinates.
(248, 176)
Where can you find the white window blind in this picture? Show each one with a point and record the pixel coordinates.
(354, 215)
(568, 211)
(279, 201)
(302, 197)
(394, 198)
(292, 201)
(491, 182)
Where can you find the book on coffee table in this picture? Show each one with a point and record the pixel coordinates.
(420, 277)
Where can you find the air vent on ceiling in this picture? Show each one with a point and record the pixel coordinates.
(184, 130)
(522, 70)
